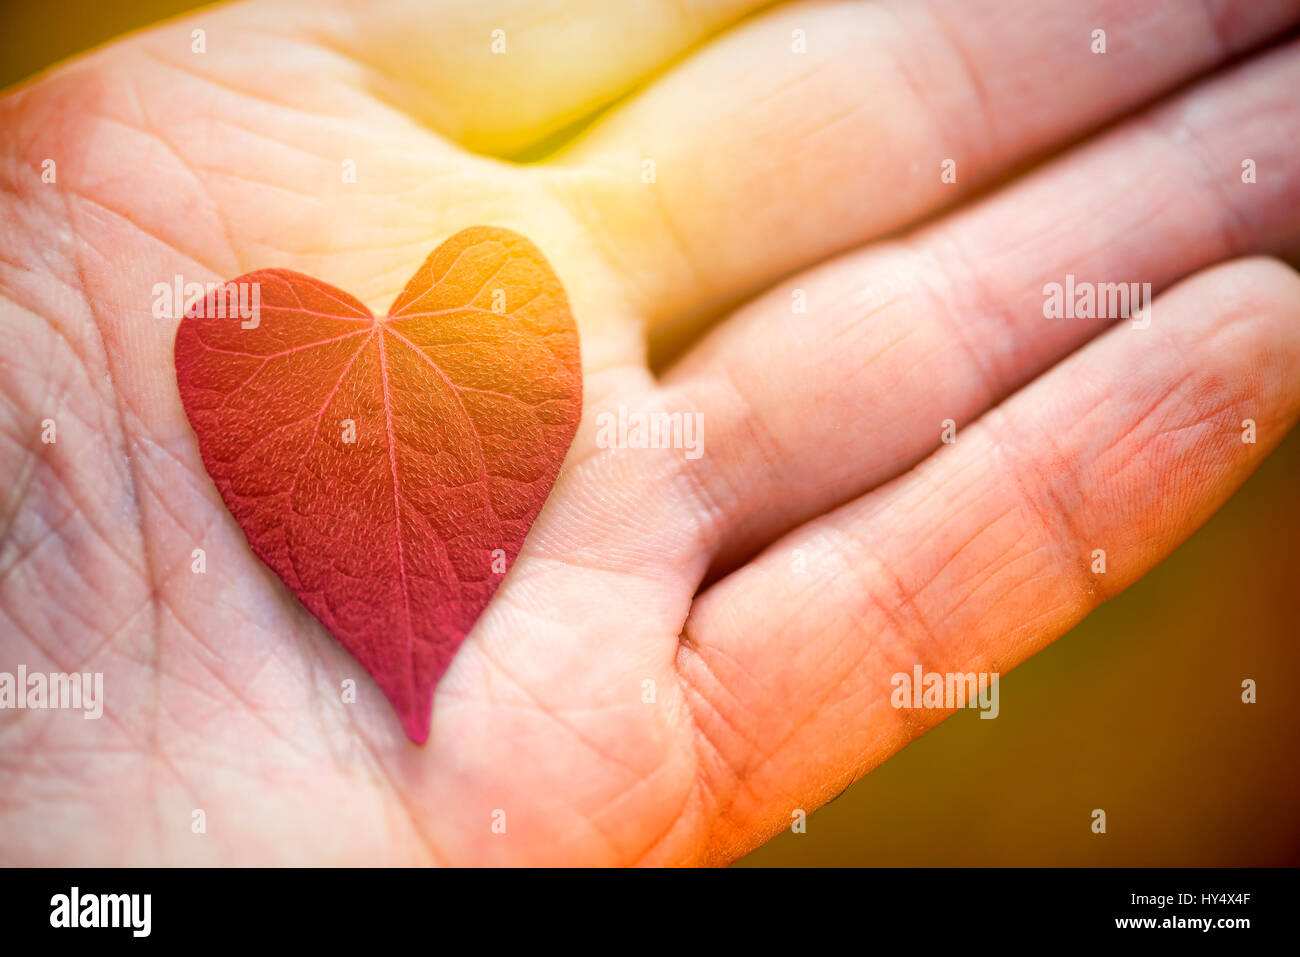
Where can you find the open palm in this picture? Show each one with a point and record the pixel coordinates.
(607, 708)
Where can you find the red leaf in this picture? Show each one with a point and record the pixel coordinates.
(462, 414)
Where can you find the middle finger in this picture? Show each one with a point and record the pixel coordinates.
(804, 411)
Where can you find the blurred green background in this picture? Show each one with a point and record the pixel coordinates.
(1137, 711)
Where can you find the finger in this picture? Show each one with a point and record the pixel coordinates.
(765, 159)
(499, 77)
(806, 410)
(989, 550)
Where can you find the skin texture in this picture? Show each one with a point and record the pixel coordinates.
(774, 171)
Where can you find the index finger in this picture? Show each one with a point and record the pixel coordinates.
(816, 127)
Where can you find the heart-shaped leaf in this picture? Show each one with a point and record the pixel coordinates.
(388, 470)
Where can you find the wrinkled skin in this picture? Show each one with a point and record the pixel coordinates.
(687, 650)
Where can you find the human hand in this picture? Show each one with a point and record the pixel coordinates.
(840, 540)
